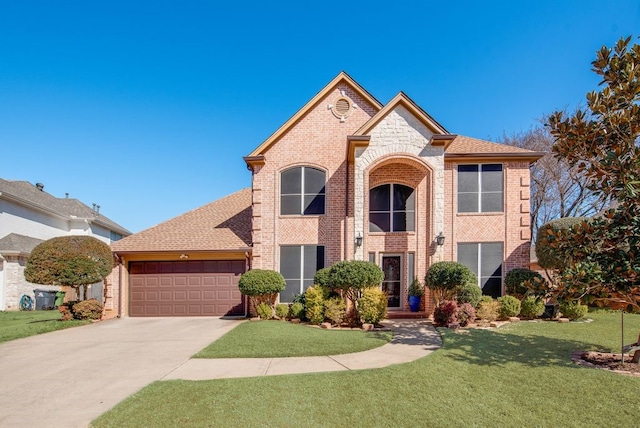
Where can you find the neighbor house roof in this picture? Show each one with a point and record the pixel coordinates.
(472, 148)
(25, 193)
(17, 244)
(222, 225)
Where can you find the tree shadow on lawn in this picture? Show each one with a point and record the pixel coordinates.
(492, 348)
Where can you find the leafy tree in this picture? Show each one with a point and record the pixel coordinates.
(604, 144)
(445, 279)
(74, 261)
(262, 286)
(352, 277)
(558, 190)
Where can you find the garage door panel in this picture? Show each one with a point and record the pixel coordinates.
(192, 288)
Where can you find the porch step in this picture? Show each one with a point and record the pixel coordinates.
(399, 315)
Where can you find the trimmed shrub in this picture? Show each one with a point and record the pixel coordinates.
(531, 307)
(352, 277)
(444, 279)
(264, 311)
(262, 286)
(416, 288)
(296, 311)
(335, 310)
(86, 310)
(547, 257)
(469, 293)
(521, 281)
(488, 309)
(573, 311)
(509, 307)
(282, 310)
(314, 304)
(446, 313)
(466, 314)
(74, 261)
(372, 306)
(322, 277)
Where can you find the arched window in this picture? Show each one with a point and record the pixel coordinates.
(302, 191)
(391, 208)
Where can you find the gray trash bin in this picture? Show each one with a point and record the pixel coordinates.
(45, 299)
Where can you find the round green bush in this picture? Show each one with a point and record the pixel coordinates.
(573, 311)
(314, 304)
(372, 306)
(444, 279)
(322, 277)
(545, 253)
(335, 310)
(520, 281)
(282, 310)
(488, 309)
(531, 307)
(264, 311)
(296, 311)
(354, 276)
(259, 282)
(469, 293)
(509, 306)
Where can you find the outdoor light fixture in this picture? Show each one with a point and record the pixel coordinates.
(359, 240)
(184, 256)
(440, 239)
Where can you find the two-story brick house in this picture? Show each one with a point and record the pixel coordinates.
(349, 178)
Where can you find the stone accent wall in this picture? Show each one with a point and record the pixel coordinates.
(15, 286)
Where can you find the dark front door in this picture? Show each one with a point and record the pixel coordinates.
(392, 283)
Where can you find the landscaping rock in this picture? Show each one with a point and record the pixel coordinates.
(514, 319)
(367, 327)
(563, 320)
(295, 321)
(453, 325)
(493, 324)
(325, 325)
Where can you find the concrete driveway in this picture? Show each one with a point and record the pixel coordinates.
(67, 378)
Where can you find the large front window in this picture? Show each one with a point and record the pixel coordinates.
(485, 260)
(302, 191)
(480, 188)
(391, 208)
(298, 266)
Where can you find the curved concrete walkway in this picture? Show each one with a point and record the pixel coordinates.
(412, 339)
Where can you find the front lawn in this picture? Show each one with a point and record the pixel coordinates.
(270, 339)
(14, 324)
(519, 375)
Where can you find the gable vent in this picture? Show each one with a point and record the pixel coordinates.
(342, 106)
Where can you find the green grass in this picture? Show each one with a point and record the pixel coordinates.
(270, 339)
(520, 375)
(15, 325)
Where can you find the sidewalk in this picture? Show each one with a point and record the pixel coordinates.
(412, 339)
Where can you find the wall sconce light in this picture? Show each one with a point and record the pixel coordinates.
(359, 240)
(183, 256)
(440, 239)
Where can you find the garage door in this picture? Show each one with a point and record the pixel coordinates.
(185, 288)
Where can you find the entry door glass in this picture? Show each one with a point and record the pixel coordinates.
(391, 285)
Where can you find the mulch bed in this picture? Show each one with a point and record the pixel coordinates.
(607, 361)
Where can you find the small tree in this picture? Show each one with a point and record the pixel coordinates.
(444, 279)
(262, 286)
(73, 261)
(352, 277)
(521, 282)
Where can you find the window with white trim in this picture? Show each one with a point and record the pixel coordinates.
(480, 188)
(302, 191)
(485, 260)
(298, 266)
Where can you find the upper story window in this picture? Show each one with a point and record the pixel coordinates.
(302, 191)
(391, 208)
(113, 236)
(480, 188)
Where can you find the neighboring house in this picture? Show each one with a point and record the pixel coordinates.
(348, 178)
(28, 216)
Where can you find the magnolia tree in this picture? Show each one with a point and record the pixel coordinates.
(603, 143)
(74, 261)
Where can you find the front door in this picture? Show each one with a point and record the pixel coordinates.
(392, 283)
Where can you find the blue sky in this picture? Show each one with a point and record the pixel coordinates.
(147, 107)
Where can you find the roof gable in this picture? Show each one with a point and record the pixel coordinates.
(222, 225)
(15, 243)
(342, 77)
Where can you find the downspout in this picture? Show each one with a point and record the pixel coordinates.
(248, 267)
(119, 285)
(346, 209)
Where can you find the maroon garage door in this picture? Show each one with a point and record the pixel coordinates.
(185, 288)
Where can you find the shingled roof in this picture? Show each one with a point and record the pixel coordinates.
(222, 225)
(15, 243)
(462, 146)
(26, 193)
